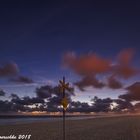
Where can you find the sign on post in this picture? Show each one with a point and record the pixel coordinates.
(64, 102)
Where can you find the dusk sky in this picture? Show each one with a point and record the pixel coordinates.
(35, 37)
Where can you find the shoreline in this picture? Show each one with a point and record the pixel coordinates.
(35, 119)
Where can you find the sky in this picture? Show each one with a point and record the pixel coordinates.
(34, 37)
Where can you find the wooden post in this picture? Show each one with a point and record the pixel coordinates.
(64, 135)
(64, 86)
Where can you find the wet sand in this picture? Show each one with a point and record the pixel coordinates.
(110, 128)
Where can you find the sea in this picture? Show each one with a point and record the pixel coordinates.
(26, 120)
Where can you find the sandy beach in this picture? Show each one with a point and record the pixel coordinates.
(110, 128)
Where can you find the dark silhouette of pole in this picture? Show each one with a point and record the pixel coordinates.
(64, 134)
(64, 86)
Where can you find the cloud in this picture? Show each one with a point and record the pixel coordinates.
(22, 79)
(98, 105)
(125, 57)
(5, 106)
(47, 98)
(133, 92)
(27, 100)
(88, 64)
(53, 103)
(55, 100)
(9, 69)
(114, 83)
(53, 96)
(21, 104)
(124, 68)
(77, 106)
(101, 105)
(49, 91)
(9, 106)
(124, 71)
(2, 93)
(89, 81)
(44, 91)
(122, 104)
(91, 65)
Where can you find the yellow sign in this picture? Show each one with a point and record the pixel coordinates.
(64, 103)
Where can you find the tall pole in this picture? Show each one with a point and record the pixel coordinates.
(64, 86)
(64, 135)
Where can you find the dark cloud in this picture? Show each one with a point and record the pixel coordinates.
(137, 106)
(22, 79)
(133, 93)
(52, 95)
(77, 106)
(49, 91)
(21, 104)
(122, 105)
(98, 105)
(89, 81)
(53, 104)
(9, 69)
(13, 96)
(26, 100)
(55, 100)
(6, 106)
(44, 91)
(101, 105)
(9, 106)
(104, 105)
(2, 93)
(114, 83)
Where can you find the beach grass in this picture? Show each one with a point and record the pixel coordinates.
(110, 128)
